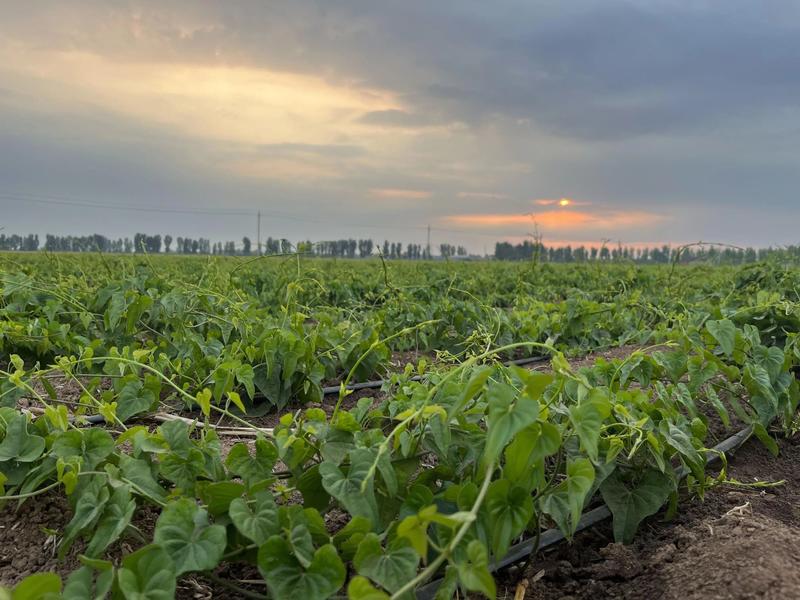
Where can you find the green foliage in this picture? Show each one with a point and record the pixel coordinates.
(630, 503)
(442, 471)
(184, 533)
(287, 578)
(147, 574)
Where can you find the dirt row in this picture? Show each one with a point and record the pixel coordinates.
(739, 543)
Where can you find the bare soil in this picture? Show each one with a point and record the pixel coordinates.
(737, 543)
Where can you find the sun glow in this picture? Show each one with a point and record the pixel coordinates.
(564, 202)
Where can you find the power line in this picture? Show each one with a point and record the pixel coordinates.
(67, 201)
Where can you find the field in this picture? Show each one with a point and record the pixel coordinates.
(187, 427)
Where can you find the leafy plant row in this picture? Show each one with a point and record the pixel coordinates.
(439, 478)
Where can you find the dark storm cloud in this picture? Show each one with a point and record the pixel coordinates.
(591, 70)
(632, 104)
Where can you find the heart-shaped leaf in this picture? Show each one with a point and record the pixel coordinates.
(564, 503)
(91, 445)
(348, 489)
(631, 504)
(510, 508)
(183, 531)
(147, 574)
(257, 519)
(724, 331)
(115, 519)
(288, 580)
(391, 568)
(18, 444)
(587, 418)
(474, 573)
(252, 468)
(134, 398)
(509, 413)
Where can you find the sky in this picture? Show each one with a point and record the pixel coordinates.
(658, 121)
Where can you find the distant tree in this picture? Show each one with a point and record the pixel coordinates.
(167, 242)
(246, 246)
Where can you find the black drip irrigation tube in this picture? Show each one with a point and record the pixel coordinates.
(364, 385)
(523, 550)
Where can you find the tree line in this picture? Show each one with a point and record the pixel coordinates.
(718, 253)
(362, 248)
(167, 244)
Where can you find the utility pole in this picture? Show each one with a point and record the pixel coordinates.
(258, 235)
(429, 242)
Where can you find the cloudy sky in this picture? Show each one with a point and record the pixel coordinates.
(659, 120)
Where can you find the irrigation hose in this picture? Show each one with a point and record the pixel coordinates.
(523, 549)
(364, 385)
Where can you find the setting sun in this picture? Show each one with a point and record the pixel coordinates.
(564, 202)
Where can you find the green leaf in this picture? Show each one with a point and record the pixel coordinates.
(115, 519)
(564, 503)
(88, 509)
(203, 399)
(391, 568)
(386, 470)
(115, 309)
(252, 468)
(474, 385)
(347, 489)
(449, 586)
(474, 574)
(674, 363)
(587, 419)
(757, 381)
(218, 495)
(719, 406)
(417, 498)
(256, 520)
(37, 586)
(347, 539)
(631, 505)
(682, 442)
(724, 332)
(288, 580)
(700, 372)
(771, 358)
(140, 473)
(310, 485)
(510, 509)
(414, 528)
(18, 444)
(237, 401)
(133, 399)
(761, 433)
(147, 574)
(183, 531)
(91, 445)
(360, 588)
(509, 412)
(302, 544)
(82, 584)
(525, 454)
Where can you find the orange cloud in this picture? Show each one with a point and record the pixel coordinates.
(561, 219)
(400, 194)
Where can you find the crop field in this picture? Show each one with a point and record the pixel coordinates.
(192, 427)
